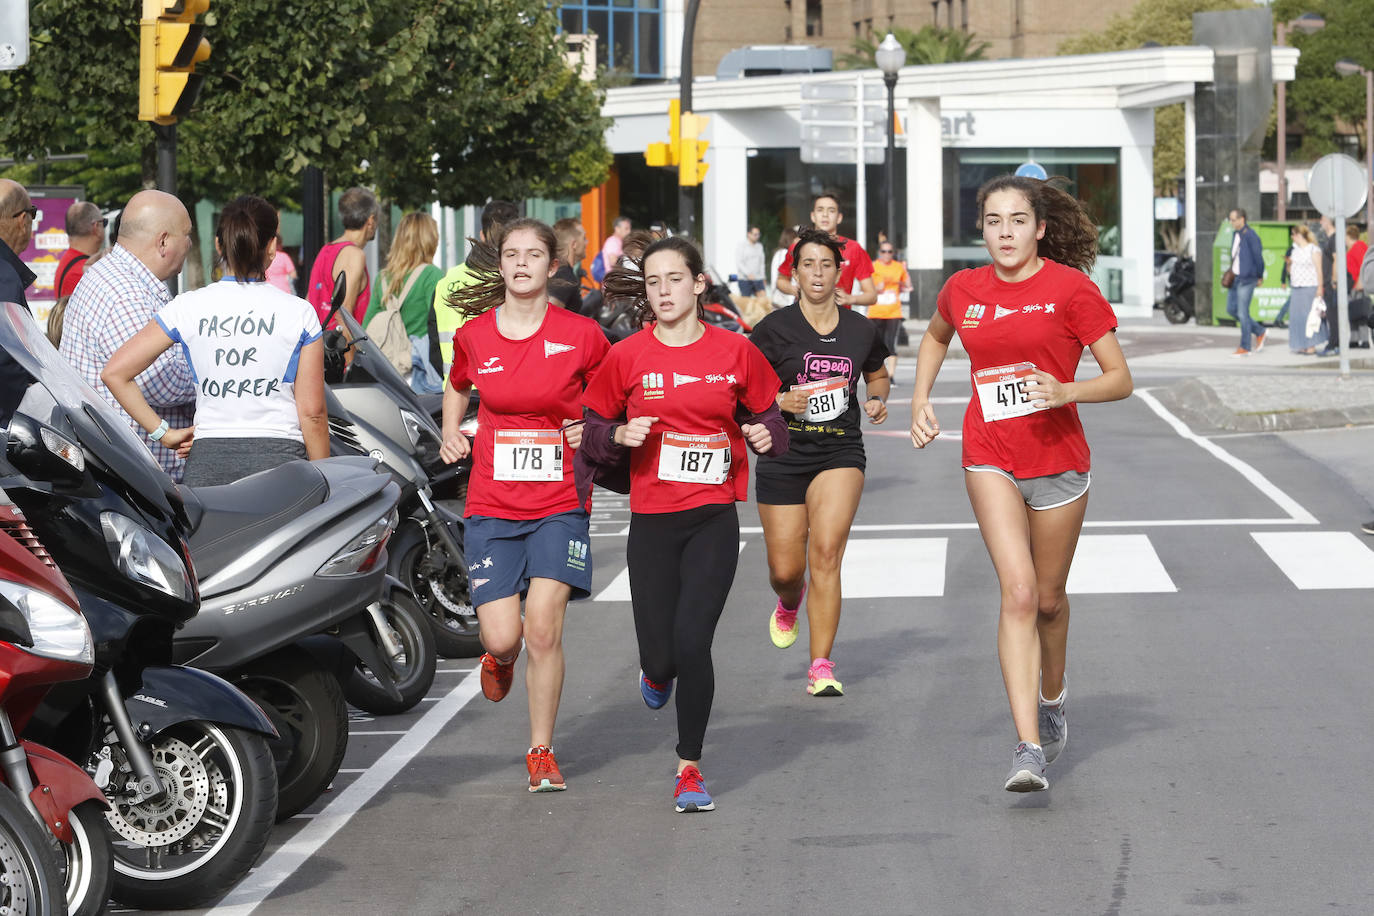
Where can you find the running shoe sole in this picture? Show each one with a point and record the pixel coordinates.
(547, 786)
(694, 808)
(825, 687)
(1026, 781)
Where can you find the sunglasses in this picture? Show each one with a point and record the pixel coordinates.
(885, 251)
(31, 210)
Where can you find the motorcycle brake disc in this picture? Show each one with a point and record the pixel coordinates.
(165, 820)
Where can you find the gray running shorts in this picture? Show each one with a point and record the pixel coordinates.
(1048, 492)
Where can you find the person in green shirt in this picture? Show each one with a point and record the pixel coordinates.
(412, 253)
(448, 319)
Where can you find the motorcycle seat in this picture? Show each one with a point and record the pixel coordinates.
(226, 521)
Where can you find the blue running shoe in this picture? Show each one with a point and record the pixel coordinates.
(654, 694)
(691, 796)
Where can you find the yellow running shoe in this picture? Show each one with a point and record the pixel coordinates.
(820, 679)
(782, 625)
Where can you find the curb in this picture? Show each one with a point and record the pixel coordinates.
(1199, 406)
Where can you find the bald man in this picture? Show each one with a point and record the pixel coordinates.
(17, 214)
(119, 295)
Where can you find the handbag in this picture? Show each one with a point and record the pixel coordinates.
(1228, 278)
(1314, 317)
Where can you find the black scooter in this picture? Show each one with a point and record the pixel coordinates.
(1178, 291)
(181, 755)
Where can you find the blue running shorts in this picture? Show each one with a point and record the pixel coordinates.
(504, 554)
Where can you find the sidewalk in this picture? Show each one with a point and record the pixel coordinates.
(1272, 390)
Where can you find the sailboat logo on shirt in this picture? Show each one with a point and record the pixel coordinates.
(553, 349)
(1002, 313)
(679, 379)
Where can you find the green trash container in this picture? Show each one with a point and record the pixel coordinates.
(1269, 296)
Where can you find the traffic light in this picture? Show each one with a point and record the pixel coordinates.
(665, 154)
(171, 43)
(691, 150)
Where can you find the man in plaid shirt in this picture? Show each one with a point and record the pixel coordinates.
(118, 295)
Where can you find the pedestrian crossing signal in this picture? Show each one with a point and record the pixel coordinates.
(692, 150)
(171, 43)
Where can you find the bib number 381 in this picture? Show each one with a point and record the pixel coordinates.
(528, 454)
(825, 399)
(1002, 391)
(694, 459)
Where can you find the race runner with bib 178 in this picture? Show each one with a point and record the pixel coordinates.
(527, 531)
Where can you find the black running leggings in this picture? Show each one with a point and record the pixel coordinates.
(682, 565)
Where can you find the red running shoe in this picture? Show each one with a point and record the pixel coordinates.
(544, 774)
(497, 675)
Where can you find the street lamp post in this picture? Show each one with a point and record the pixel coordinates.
(1308, 23)
(890, 57)
(1350, 68)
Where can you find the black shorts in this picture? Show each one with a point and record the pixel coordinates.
(779, 484)
(888, 331)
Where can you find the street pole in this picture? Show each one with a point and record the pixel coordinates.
(860, 170)
(890, 160)
(1368, 152)
(1282, 212)
(686, 209)
(167, 170)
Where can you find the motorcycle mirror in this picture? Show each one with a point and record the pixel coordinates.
(337, 300)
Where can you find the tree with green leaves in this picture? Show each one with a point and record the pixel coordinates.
(1322, 104)
(928, 45)
(1164, 22)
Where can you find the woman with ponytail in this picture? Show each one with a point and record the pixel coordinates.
(1024, 320)
(255, 353)
(528, 532)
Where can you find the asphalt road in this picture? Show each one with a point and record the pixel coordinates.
(1218, 755)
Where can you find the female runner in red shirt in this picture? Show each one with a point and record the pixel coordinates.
(684, 398)
(1024, 321)
(527, 531)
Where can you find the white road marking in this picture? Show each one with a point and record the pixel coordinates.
(355, 733)
(1116, 564)
(1101, 523)
(1319, 559)
(619, 589)
(1285, 502)
(894, 568)
(287, 860)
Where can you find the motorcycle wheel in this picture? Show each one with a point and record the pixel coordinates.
(440, 586)
(190, 846)
(415, 667)
(89, 861)
(307, 707)
(1176, 313)
(30, 862)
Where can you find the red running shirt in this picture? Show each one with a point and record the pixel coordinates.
(535, 383)
(697, 390)
(857, 264)
(1046, 320)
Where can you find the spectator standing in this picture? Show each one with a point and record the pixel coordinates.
(1355, 247)
(17, 214)
(119, 295)
(281, 273)
(614, 245)
(256, 354)
(446, 319)
(358, 211)
(85, 235)
(411, 277)
(749, 264)
(1328, 249)
(566, 285)
(891, 279)
(1305, 278)
(1247, 268)
(785, 242)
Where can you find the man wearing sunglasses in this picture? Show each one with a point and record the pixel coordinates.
(17, 214)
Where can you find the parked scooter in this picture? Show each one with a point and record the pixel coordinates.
(373, 411)
(181, 755)
(45, 640)
(1178, 299)
(283, 555)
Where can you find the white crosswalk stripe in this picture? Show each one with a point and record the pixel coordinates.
(1319, 559)
(1117, 564)
(894, 568)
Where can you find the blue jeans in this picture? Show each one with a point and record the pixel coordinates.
(750, 287)
(1238, 307)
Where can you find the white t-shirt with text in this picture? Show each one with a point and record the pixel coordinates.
(243, 341)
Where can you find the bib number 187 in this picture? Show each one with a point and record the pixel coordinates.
(694, 459)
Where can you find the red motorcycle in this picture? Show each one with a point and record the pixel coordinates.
(45, 640)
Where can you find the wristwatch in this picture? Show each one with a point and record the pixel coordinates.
(157, 434)
(874, 397)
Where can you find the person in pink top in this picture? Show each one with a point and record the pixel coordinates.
(358, 211)
(614, 245)
(281, 273)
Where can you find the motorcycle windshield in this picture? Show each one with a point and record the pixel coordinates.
(370, 365)
(39, 383)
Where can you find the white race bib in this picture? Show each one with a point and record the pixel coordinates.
(826, 399)
(528, 454)
(694, 459)
(1002, 391)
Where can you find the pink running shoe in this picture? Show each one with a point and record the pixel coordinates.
(782, 626)
(820, 679)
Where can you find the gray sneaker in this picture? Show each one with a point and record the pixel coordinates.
(1054, 729)
(1027, 769)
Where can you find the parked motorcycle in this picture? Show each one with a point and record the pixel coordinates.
(30, 863)
(180, 754)
(373, 411)
(1178, 299)
(44, 640)
(283, 555)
